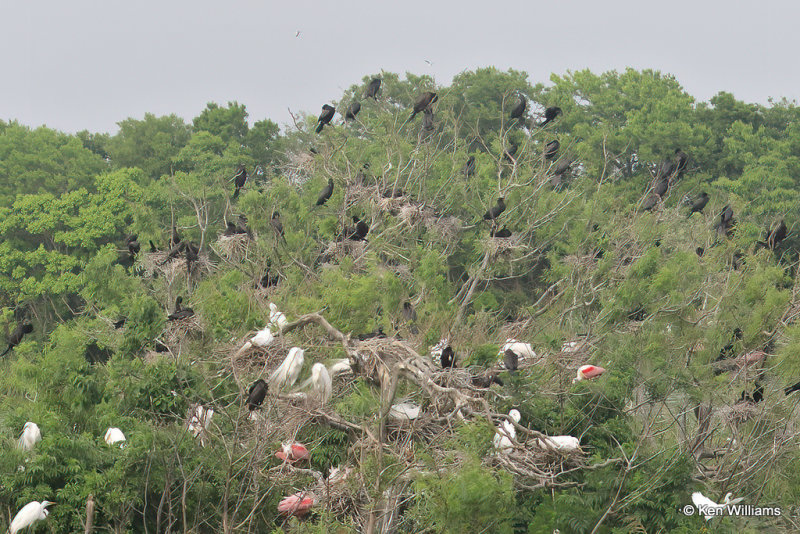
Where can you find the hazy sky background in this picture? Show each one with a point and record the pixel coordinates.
(88, 64)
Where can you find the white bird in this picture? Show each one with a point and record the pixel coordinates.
(404, 411)
(276, 317)
(320, 382)
(506, 432)
(559, 443)
(114, 435)
(200, 419)
(262, 339)
(709, 508)
(31, 435)
(29, 514)
(340, 367)
(522, 350)
(287, 372)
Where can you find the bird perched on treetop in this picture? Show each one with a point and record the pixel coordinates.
(699, 204)
(325, 117)
(373, 88)
(180, 312)
(550, 115)
(326, 193)
(239, 179)
(519, 109)
(426, 99)
(352, 111)
(256, 394)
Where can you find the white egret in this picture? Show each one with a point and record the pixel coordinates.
(31, 435)
(287, 372)
(506, 432)
(708, 508)
(340, 367)
(522, 350)
(115, 435)
(320, 382)
(276, 317)
(262, 338)
(28, 515)
(404, 411)
(559, 443)
(199, 420)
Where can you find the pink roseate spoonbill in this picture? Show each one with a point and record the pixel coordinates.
(506, 432)
(586, 372)
(293, 452)
(28, 515)
(31, 435)
(299, 504)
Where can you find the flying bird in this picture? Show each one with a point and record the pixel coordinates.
(287, 372)
(373, 88)
(256, 394)
(708, 508)
(325, 117)
(352, 111)
(495, 211)
(425, 99)
(506, 433)
(28, 515)
(326, 193)
(114, 435)
(699, 205)
(16, 336)
(239, 179)
(31, 435)
(550, 115)
(586, 372)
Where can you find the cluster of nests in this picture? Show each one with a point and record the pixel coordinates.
(233, 247)
(157, 265)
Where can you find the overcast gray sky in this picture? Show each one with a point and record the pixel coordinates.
(84, 64)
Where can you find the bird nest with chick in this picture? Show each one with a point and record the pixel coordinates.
(535, 467)
(178, 332)
(497, 246)
(156, 265)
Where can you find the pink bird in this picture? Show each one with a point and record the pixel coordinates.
(293, 452)
(298, 504)
(588, 371)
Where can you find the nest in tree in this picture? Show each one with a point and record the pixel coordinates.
(393, 204)
(412, 214)
(336, 250)
(179, 331)
(358, 193)
(514, 330)
(741, 412)
(534, 467)
(378, 356)
(503, 245)
(447, 229)
(257, 359)
(426, 427)
(298, 167)
(233, 247)
(580, 261)
(155, 265)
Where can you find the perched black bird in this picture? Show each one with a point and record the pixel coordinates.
(153, 247)
(326, 193)
(159, 346)
(192, 254)
(180, 312)
(372, 335)
(680, 160)
(16, 336)
(756, 397)
(352, 111)
(660, 186)
(174, 252)
(426, 99)
(469, 167)
(133, 245)
(700, 251)
(495, 211)
(510, 360)
(505, 232)
(550, 115)
(94, 354)
(373, 88)
(408, 312)
(175, 239)
(726, 222)
(361, 229)
(427, 120)
(277, 225)
(699, 204)
(448, 358)
(241, 225)
(562, 167)
(650, 202)
(728, 351)
(486, 379)
(792, 389)
(774, 236)
(239, 179)
(325, 117)
(230, 229)
(268, 280)
(120, 323)
(551, 149)
(511, 152)
(256, 394)
(519, 109)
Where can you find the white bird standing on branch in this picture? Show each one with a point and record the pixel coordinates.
(31, 435)
(199, 420)
(287, 372)
(28, 515)
(263, 338)
(115, 435)
(320, 381)
(276, 317)
(507, 432)
(709, 508)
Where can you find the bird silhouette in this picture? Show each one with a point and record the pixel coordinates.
(495, 211)
(325, 117)
(550, 115)
(551, 149)
(469, 167)
(699, 205)
(16, 336)
(425, 99)
(352, 111)
(326, 193)
(239, 179)
(519, 108)
(373, 88)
